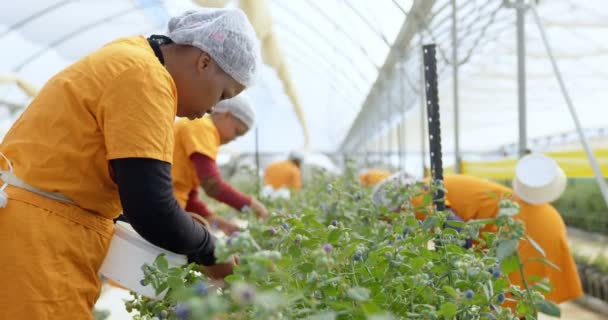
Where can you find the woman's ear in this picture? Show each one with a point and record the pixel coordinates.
(204, 61)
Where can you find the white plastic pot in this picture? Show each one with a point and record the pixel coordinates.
(539, 179)
(128, 252)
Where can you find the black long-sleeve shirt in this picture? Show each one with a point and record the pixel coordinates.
(146, 194)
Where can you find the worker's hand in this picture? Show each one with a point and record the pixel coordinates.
(259, 209)
(226, 226)
(219, 271)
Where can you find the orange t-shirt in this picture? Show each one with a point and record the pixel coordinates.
(283, 174)
(373, 176)
(117, 102)
(196, 136)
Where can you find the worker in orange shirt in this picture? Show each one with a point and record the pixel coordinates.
(372, 177)
(196, 146)
(286, 173)
(98, 140)
(472, 198)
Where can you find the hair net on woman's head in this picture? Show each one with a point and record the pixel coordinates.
(225, 34)
(239, 107)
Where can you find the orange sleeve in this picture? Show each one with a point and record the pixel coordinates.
(200, 136)
(137, 114)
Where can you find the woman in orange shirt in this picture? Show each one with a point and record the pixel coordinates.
(98, 139)
(285, 173)
(472, 198)
(196, 146)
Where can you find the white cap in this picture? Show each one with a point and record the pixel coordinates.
(239, 107)
(539, 179)
(225, 34)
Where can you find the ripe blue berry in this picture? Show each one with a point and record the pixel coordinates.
(182, 311)
(469, 294)
(327, 248)
(501, 298)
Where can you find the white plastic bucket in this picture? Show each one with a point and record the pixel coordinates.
(539, 179)
(128, 252)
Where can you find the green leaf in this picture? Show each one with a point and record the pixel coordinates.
(509, 265)
(358, 293)
(481, 221)
(505, 249)
(508, 211)
(175, 282)
(371, 308)
(334, 236)
(544, 261)
(456, 224)
(536, 246)
(450, 291)
(429, 222)
(383, 316)
(542, 287)
(448, 310)
(161, 288)
(330, 315)
(306, 267)
(549, 308)
(233, 278)
(427, 198)
(161, 263)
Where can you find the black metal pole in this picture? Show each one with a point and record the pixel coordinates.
(432, 103)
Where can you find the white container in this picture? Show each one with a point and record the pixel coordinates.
(128, 252)
(539, 179)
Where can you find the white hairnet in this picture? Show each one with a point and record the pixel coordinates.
(380, 192)
(239, 107)
(296, 156)
(225, 34)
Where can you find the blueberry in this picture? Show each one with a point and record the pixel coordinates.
(334, 223)
(229, 241)
(392, 244)
(201, 288)
(357, 257)
(272, 231)
(399, 237)
(469, 294)
(501, 298)
(182, 312)
(496, 273)
(143, 282)
(328, 248)
(247, 295)
(285, 226)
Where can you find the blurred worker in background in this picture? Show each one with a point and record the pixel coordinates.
(286, 173)
(372, 177)
(472, 198)
(196, 146)
(99, 139)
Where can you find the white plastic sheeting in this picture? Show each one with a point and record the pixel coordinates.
(578, 31)
(334, 48)
(329, 45)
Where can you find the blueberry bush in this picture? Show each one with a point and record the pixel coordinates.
(330, 253)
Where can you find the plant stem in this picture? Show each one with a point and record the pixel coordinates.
(524, 281)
